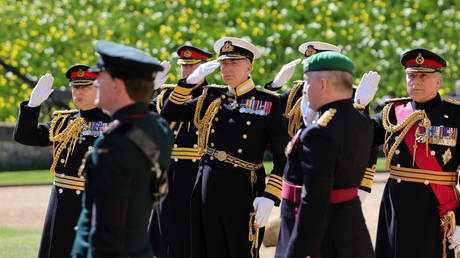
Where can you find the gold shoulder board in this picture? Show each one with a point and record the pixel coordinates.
(216, 86)
(267, 91)
(327, 117)
(65, 112)
(168, 86)
(452, 101)
(405, 99)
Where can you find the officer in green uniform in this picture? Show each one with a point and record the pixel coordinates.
(125, 173)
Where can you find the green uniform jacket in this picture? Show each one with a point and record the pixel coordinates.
(119, 187)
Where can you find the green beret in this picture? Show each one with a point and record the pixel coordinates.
(126, 60)
(329, 61)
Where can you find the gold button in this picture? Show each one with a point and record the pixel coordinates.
(398, 165)
(433, 153)
(248, 122)
(62, 160)
(196, 132)
(194, 146)
(223, 96)
(446, 116)
(426, 182)
(253, 97)
(212, 130)
(212, 144)
(240, 150)
(176, 159)
(398, 180)
(175, 145)
(176, 132)
(78, 192)
(60, 190)
(235, 165)
(211, 158)
(194, 160)
(216, 119)
(245, 136)
(397, 152)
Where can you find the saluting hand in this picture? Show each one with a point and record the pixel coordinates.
(162, 76)
(285, 74)
(41, 91)
(200, 73)
(367, 88)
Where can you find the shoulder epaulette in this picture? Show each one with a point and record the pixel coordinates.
(327, 117)
(267, 91)
(452, 101)
(65, 112)
(405, 99)
(168, 86)
(215, 86)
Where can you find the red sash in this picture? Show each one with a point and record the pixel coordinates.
(444, 194)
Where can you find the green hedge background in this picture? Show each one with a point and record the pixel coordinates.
(49, 36)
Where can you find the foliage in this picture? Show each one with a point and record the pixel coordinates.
(49, 36)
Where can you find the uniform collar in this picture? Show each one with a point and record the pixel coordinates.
(242, 88)
(130, 110)
(344, 104)
(429, 104)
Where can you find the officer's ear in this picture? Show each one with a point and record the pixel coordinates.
(119, 86)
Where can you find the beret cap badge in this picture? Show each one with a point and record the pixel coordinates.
(188, 53)
(419, 60)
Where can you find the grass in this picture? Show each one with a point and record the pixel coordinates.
(28, 177)
(19, 243)
(381, 164)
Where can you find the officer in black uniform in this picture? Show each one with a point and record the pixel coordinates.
(72, 133)
(230, 200)
(292, 182)
(419, 209)
(125, 173)
(332, 155)
(170, 224)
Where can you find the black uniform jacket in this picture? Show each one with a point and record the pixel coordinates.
(65, 204)
(332, 154)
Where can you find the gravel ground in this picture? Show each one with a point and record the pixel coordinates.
(25, 207)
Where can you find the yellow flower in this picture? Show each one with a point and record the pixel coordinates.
(406, 23)
(261, 70)
(427, 17)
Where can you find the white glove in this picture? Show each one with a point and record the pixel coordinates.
(285, 73)
(362, 195)
(454, 241)
(367, 88)
(308, 114)
(162, 76)
(200, 73)
(263, 207)
(41, 91)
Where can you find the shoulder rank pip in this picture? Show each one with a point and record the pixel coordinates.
(324, 120)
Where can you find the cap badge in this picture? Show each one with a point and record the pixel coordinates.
(310, 51)
(80, 73)
(188, 53)
(419, 60)
(228, 47)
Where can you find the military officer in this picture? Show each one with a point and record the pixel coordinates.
(72, 133)
(170, 225)
(332, 155)
(292, 178)
(419, 205)
(236, 122)
(125, 174)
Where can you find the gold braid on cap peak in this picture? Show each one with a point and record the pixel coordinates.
(60, 140)
(203, 125)
(405, 126)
